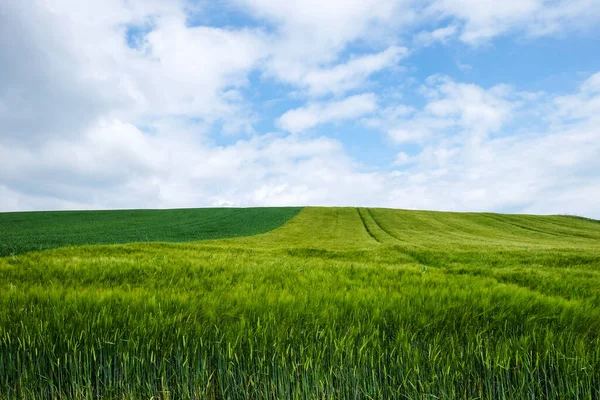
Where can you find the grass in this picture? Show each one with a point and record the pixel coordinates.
(22, 232)
(337, 303)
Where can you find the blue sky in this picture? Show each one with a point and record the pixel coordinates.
(467, 105)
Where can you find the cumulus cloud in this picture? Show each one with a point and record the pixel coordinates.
(350, 75)
(307, 117)
(311, 37)
(453, 108)
(124, 104)
(550, 171)
(118, 166)
(315, 32)
(532, 174)
(583, 105)
(427, 38)
(187, 70)
(483, 20)
(60, 56)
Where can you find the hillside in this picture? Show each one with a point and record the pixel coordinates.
(335, 303)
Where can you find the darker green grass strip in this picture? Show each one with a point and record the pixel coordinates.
(22, 232)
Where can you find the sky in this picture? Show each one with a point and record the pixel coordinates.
(454, 105)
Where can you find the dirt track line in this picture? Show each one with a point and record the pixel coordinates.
(366, 227)
(523, 227)
(381, 227)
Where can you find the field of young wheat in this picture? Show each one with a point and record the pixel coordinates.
(31, 231)
(340, 303)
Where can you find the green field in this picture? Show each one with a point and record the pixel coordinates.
(340, 303)
(21, 232)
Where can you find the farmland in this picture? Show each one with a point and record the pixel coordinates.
(22, 232)
(334, 303)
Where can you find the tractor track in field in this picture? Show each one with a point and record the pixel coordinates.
(362, 218)
(386, 231)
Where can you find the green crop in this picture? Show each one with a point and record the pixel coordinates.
(338, 303)
(21, 232)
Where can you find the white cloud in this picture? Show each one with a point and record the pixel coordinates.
(532, 174)
(313, 31)
(308, 117)
(171, 59)
(584, 104)
(426, 38)
(472, 107)
(117, 166)
(402, 158)
(552, 171)
(592, 84)
(310, 38)
(351, 75)
(61, 55)
(485, 19)
(452, 107)
(87, 121)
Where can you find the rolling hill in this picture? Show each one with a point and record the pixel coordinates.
(334, 303)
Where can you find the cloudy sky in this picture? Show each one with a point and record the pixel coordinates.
(432, 104)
